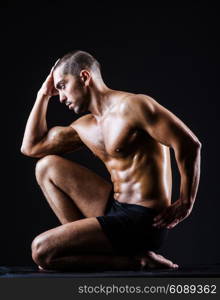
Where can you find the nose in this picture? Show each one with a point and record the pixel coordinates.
(63, 98)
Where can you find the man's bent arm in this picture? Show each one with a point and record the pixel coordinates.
(167, 129)
(38, 141)
(188, 156)
(36, 127)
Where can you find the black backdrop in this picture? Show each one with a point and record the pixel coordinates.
(168, 52)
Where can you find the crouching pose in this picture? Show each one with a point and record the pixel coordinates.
(117, 225)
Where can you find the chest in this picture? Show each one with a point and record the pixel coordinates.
(112, 137)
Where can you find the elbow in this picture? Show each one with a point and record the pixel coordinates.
(191, 148)
(194, 149)
(28, 152)
(197, 145)
(24, 151)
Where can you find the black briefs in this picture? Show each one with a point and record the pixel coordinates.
(129, 227)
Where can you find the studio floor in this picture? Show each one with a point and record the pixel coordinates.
(182, 271)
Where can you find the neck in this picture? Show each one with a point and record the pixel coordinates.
(99, 95)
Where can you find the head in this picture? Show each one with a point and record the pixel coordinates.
(74, 76)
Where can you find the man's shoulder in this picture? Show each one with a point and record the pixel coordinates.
(82, 120)
(85, 118)
(131, 103)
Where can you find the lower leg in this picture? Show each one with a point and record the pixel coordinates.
(93, 262)
(110, 262)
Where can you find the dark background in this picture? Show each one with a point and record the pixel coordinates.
(169, 52)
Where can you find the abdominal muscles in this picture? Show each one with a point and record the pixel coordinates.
(142, 177)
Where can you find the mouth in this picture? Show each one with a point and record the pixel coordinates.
(68, 103)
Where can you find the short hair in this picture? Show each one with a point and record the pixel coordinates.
(75, 61)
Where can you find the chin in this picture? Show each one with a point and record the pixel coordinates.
(81, 108)
(78, 109)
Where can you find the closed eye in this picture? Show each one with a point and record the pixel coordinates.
(60, 85)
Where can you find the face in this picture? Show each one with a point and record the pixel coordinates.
(73, 91)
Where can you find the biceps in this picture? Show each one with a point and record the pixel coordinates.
(169, 130)
(59, 140)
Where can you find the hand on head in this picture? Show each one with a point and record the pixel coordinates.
(51, 71)
(48, 88)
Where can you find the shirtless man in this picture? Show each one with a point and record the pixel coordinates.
(132, 134)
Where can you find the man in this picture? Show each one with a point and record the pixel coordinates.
(105, 227)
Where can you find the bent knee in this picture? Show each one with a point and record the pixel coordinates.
(44, 165)
(40, 253)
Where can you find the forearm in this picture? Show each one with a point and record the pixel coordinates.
(36, 126)
(189, 168)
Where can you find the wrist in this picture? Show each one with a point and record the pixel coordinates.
(188, 203)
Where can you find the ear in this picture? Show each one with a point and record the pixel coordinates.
(85, 77)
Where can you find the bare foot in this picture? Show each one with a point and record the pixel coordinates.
(153, 260)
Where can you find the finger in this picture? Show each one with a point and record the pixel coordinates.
(170, 227)
(157, 218)
(172, 224)
(51, 71)
(55, 92)
(161, 223)
(158, 223)
(161, 218)
(165, 221)
(49, 77)
(160, 215)
(56, 62)
(163, 215)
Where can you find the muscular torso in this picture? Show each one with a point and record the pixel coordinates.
(139, 166)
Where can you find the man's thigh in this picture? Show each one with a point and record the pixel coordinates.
(79, 237)
(88, 190)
